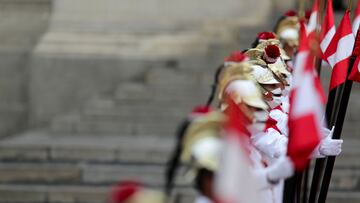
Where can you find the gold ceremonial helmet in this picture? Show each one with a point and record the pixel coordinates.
(262, 45)
(239, 71)
(202, 142)
(256, 53)
(263, 75)
(237, 82)
(246, 91)
(288, 30)
(252, 53)
(280, 71)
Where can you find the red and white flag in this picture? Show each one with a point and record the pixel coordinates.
(356, 22)
(235, 182)
(328, 29)
(339, 51)
(306, 106)
(355, 71)
(311, 26)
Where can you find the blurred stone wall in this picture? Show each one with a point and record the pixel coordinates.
(93, 45)
(22, 23)
(56, 54)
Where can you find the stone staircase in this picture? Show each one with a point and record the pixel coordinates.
(39, 167)
(154, 108)
(36, 167)
(127, 132)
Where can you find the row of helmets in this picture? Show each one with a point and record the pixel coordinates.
(257, 79)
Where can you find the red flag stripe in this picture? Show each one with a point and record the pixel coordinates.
(328, 27)
(305, 106)
(343, 30)
(355, 72)
(339, 73)
(339, 51)
(344, 50)
(327, 39)
(302, 144)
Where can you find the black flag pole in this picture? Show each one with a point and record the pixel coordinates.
(320, 17)
(318, 64)
(290, 185)
(340, 118)
(320, 163)
(331, 113)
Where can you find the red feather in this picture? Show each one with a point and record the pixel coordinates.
(290, 13)
(124, 191)
(272, 51)
(266, 35)
(236, 56)
(201, 110)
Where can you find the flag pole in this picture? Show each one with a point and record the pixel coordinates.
(331, 114)
(318, 64)
(291, 184)
(340, 118)
(304, 186)
(320, 17)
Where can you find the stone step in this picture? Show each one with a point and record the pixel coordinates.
(99, 194)
(14, 193)
(350, 153)
(42, 147)
(80, 173)
(144, 105)
(135, 92)
(350, 129)
(116, 150)
(346, 179)
(88, 173)
(53, 194)
(173, 77)
(66, 156)
(120, 127)
(133, 113)
(69, 194)
(168, 119)
(343, 197)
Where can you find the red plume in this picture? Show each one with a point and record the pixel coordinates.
(266, 35)
(290, 13)
(236, 57)
(272, 52)
(124, 191)
(200, 110)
